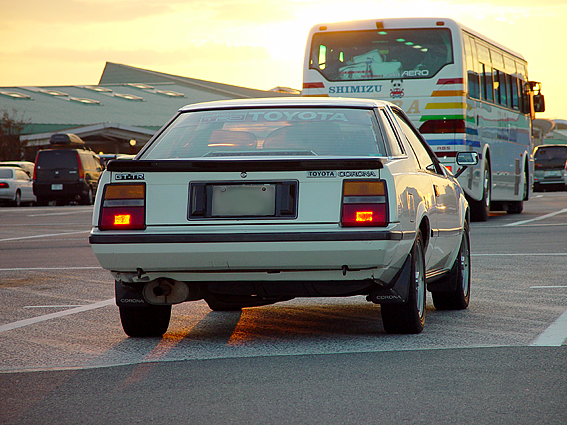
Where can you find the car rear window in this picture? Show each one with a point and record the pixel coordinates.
(269, 131)
(551, 155)
(51, 160)
(5, 174)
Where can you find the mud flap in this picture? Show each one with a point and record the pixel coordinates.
(129, 295)
(396, 292)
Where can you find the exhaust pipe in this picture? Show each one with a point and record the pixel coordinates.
(166, 292)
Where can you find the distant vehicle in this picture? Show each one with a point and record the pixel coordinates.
(550, 167)
(249, 202)
(25, 165)
(15, 186)
(463, 91)
(68, 172)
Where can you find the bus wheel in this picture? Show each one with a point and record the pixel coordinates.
(480, 210)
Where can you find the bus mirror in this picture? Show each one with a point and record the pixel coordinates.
(539, 103)
(465, 160)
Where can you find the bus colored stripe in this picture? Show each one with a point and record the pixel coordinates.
(450, 81)
(316, 85)
(441, 117)
(448, 105)
(443, 93)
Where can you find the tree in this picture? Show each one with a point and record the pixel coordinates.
(11, 126)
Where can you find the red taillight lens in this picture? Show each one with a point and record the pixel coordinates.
(364, 203)
(81, 169)
(443, 126)
(123, 207)
(4, 185)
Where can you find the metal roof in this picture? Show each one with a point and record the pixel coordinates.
(126, 95)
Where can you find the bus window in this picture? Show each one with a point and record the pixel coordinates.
(487, 91)
(382, 54)
(472, 68)
(504, 100)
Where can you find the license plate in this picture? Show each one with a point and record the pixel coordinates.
(56, 187)
(244, 200)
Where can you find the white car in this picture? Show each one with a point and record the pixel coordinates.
(15, 186)
(249, 202)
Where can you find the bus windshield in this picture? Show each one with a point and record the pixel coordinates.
(381, 54)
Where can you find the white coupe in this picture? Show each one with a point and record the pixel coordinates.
(249, 202)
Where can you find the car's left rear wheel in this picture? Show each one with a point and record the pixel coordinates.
(409, 317)
(146, 321)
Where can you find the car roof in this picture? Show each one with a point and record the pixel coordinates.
(284, 102)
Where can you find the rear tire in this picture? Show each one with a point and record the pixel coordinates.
(409, 317)
(88, 198)
(459, 298)
(146, 321)
(17, 202)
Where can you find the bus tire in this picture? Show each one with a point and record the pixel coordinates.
(480, 210)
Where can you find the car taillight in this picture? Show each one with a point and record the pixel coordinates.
(364, 203)
(4, 185)
(123, 207)
(81, 170)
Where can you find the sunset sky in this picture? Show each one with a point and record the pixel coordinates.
(251, 43)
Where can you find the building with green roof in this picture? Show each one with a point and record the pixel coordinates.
(119, 114)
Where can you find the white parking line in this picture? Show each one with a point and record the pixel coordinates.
(554, 335)
(33, 320)
(44, 236)
(26, 269)
(543, 217)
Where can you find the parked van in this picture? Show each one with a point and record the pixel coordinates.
(66, 172)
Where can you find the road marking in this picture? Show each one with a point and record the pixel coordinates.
(543, 217)
(554, 335)
(33, 320)
(547, 287)
(52, 306)
(25, 269)
(48, 235)
(59, 213)
(520, 254)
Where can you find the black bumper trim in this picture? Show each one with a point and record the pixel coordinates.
(113, 239)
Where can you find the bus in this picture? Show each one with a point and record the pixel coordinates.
(463, 91)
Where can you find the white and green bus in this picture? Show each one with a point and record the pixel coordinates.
(463, 91)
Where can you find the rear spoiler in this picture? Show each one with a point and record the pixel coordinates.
(244, 165)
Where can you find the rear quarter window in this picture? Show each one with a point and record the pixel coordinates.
(5, 174)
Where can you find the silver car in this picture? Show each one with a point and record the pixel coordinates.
(249, 202)
(15, 186)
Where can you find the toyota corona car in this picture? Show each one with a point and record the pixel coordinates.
(250, 202)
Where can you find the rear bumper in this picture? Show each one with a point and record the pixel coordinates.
(68, 190)
(340, 255)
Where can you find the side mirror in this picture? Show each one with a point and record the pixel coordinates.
(465, 160)
(539, 103)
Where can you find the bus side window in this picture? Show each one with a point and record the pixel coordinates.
(472, 68)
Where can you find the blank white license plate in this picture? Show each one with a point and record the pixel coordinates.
(244, 200)
(56, 187)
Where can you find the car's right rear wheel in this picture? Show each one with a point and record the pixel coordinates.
(145, 321)
(409, 317)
